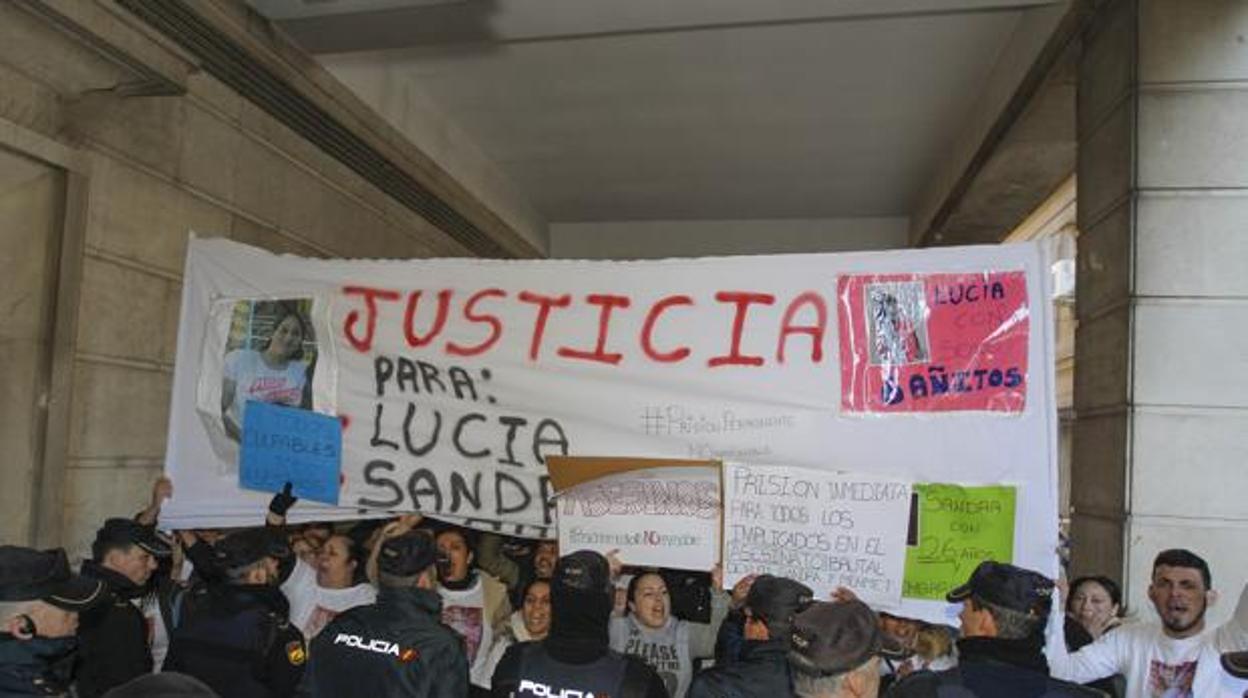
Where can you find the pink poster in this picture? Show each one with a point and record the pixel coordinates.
(933, 342)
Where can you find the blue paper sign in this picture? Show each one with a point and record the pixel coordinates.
(287, 444)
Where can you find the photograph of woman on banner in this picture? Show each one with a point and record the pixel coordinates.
(270, 357)
(898, 323)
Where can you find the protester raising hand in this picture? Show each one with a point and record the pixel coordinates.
(279, 505)
(651, 631)
(1062, 587)
(394, 529)
(401, 525)
(162, 489)
(614, 562)
(843, 595)
(741, 590)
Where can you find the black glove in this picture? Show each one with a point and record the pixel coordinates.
(282, 501)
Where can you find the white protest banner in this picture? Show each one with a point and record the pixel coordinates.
(454, 379)
(824, 529)
(662, 517)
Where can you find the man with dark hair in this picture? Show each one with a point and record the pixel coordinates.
(396, 646)
(114, 646)
(575, 659)
(1004, 609)
(516, 574)
(835, 651)
(762, 668)
(40, 600)
(1179, 656)
(238, 638)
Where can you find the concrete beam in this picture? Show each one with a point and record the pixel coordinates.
(1019, 142)
(270, 64)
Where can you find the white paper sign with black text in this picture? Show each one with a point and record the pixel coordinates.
(824, 529)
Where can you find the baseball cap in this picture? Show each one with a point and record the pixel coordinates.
(830, 638)
(583, 571)
(44, 575)
(1236, 664)
(131, 532)
(407, 555)
(775, 600)
(1007, 586)
(247, 547)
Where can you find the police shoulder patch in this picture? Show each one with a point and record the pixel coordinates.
(296, 654)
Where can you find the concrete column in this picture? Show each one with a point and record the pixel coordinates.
(31, 200)
(1161, 393)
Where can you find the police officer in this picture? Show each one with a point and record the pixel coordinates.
(762, 669)
(575, 659)
(1001, 652)
(396, 646)
(40, 600)
(835, 651)
(113, 645)
(235, 634)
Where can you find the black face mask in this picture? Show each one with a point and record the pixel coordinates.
(50, 659)
(578, 624)
(53, 649)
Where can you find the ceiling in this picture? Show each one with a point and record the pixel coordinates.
(599, 110)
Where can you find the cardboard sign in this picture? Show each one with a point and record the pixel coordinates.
(958, 527)
(663, 517)
(823, 529)
(285, 444)
(933, 342)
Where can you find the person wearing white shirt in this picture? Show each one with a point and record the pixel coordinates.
(1178, 658)
(318, 594)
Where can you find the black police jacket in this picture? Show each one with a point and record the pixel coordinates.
(761, 670)
(36, 667)
(989, 668)
(730, 639)
(112, 637)
(238, 639)
(544, 669)
(393, 647)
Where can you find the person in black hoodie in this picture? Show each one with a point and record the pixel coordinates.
(762, 666)
(575, 659)
(237, 637)
(113, 642)
(1001, 653)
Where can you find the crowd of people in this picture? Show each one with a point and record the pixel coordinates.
(413, 607)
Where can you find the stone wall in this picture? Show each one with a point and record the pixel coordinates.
(1162, 385)
(148, 170)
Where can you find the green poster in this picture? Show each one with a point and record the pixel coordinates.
(958, 528)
